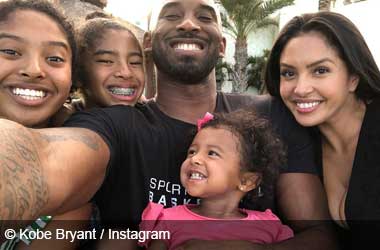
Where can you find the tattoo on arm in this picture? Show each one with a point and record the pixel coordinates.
(23, 189)
(85, 139)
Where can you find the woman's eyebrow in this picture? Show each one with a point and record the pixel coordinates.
(320, 61)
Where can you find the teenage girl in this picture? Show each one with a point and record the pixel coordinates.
(35, 81)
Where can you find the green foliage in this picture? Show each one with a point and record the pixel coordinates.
(241, 18)
(222, 69)
(256, 67)
(245, 16)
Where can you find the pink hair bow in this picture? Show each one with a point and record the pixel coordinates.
(208, 117)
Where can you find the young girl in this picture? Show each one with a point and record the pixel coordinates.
(35, 81)
(110, 72)
(233, 156)
(111, 68)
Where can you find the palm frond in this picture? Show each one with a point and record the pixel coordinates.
(271, 6)
(229, 26)
(247, 15)
(242, 17)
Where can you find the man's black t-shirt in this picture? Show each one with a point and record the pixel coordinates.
(147, 149)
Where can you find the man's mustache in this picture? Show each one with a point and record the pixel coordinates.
(188, 35)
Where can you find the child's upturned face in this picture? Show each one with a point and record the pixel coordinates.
(115, 70)
(35, 72)
(212, 166)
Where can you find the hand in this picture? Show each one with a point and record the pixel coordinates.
(143, 99)
(148, 53)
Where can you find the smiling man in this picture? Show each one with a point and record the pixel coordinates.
(144, 147)
(189, 56)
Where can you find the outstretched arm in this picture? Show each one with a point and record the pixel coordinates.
(48, 171)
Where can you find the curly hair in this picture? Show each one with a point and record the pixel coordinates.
(97, 14)
(47, 8)
(261, 151)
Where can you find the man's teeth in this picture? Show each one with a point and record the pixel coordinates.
(122, 91)
(306, 105)
(197, 176)
(187, 46)
(29, 94)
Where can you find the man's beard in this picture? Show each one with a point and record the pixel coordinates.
(186, 69)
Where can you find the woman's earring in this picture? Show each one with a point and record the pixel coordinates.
(260, 193)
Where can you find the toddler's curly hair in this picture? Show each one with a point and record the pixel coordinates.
(261, 151)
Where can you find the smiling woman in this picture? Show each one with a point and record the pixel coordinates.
(325, 74)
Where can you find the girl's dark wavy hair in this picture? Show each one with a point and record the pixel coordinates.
(89, 34)
(47, 8)
(261, 151)
(342, 35)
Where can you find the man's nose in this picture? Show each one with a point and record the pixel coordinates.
(188, 24)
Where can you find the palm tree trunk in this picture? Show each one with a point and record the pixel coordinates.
(240, 67)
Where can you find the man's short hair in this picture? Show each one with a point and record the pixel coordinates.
(157, 6)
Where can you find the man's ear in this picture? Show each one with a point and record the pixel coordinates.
(147, 41)
(222, 47)
(249, 181)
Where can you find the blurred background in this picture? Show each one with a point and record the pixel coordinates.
(241, 69)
